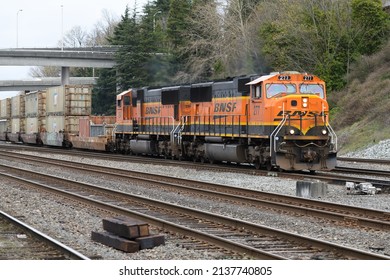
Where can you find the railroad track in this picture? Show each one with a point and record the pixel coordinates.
(344, 214)
(246, 238)
(20, 241)
(364, 171)
(330, 177)
(365, 160)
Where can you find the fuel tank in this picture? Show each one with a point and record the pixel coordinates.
(225, 152)
(143, 147)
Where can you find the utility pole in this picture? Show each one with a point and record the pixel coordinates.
(17, 27)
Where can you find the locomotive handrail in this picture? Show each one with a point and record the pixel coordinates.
(275, 132)
(151, 122)
(178, 129)
(333, 137)
(216, 125)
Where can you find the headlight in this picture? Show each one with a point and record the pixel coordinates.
(292, 131)
(324, 131)
(305, 100)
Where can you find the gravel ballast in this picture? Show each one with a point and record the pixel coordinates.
(72, 223)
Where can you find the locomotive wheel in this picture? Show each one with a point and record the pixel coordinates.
(269, 165)
(202, 160)
(257, 164)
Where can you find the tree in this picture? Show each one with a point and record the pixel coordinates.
(323, 37)
(220, 40)
(178, 22)
(103, 29)
(104, 93)
(373, 24)
(132, 54)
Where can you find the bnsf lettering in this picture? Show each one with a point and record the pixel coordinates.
(225, 107)
(152, 110)
(301, 113)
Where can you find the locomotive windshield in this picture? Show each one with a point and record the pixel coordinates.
(275, 89)
(312, 89)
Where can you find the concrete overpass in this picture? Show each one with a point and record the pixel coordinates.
(42, 83)
(94, 57)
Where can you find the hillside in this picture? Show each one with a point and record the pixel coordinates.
(361, 112)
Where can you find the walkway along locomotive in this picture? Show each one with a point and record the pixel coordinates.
(279, 120)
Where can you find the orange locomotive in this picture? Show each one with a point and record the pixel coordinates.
(279, 120)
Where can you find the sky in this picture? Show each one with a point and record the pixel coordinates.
(40, 24)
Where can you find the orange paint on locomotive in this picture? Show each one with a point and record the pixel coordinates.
(301, 97)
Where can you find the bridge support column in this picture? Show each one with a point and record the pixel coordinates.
(65, 74)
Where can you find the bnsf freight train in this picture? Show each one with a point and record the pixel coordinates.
(279, 121)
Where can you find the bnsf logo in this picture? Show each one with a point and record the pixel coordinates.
(301, 113)
(152, 110)
(225, 107)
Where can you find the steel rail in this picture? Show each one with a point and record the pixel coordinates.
(372, 218)
(346, 251)
(66, 250)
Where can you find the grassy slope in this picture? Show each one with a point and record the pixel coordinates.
(361, 116)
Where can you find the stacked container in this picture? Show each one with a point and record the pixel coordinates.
(17, 118)
(35, 103)
(64, 106)
(5, 118)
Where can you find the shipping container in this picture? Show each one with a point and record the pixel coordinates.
(69, 124)
(4, 128)
(5, 125)
(58, 129)
(35, 104)
(32, 125)
(72, 124)
(5, 108)
(18, 125)
(32, 129)
(55, 124)
(18, 106)
(69, 100)
(53, 138)
(84, 127)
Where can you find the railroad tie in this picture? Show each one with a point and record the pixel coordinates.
(127, 234)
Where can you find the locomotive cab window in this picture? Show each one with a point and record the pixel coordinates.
(119, 103)
(312, 89)
(126, 100)
(275, 90)
(256, 91)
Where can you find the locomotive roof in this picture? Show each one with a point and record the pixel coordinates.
(261, 79)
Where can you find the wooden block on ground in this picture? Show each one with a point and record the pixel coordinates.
(116, 242)
(151, 241)
(121, 228)
(125, 227)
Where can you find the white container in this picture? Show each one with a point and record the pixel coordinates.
(69, 100)
(5, 108)
(32, 125)
(35, 104)
(17, 125)
(18, 106)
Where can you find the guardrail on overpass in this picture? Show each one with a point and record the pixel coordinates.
(42, 83)
(78, 57)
